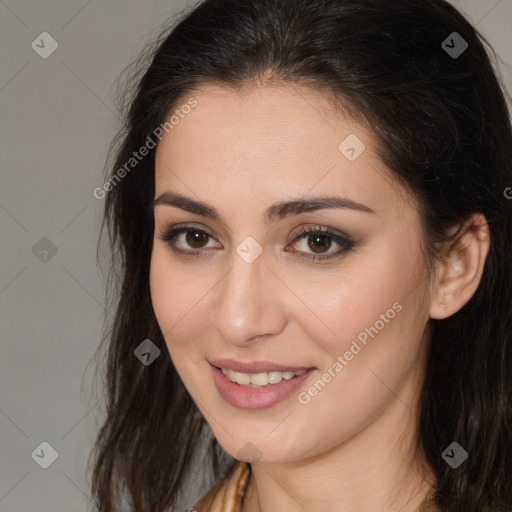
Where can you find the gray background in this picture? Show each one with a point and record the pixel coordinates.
(57, 119)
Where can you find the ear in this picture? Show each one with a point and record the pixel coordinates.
(460, 271)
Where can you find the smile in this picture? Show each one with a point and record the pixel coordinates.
(258, 390)
(258, 380)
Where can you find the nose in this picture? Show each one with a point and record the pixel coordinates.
(249, 302)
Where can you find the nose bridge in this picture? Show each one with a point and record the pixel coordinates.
(244, 306)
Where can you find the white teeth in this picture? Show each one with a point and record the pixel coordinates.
(256, 380)
(244, 379)
(275, 377)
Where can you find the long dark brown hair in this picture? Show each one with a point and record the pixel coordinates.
(443, 129)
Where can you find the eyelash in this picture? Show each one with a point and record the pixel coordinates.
(343, 240)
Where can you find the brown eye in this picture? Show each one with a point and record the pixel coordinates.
(319, 240)
(189, 237)
(196, 238)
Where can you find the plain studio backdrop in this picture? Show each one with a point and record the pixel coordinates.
(59, 66)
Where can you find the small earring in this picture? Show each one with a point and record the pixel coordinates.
(444, 306)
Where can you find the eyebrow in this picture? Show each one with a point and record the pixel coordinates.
(272, 214)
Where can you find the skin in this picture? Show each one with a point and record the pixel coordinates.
(351, 447)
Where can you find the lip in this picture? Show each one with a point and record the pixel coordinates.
(255, 366)
(244, 397)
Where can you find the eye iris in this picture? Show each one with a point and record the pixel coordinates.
(196, 238)
(319, 241)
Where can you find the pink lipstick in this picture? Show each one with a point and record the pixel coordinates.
(263, 384)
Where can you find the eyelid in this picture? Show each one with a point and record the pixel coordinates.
(183, 227)
(317, 228)
(189, 226)
(298, 234)
(345, 242)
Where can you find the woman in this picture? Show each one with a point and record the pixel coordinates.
(310, 215)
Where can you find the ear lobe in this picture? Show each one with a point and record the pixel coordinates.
(460, 272)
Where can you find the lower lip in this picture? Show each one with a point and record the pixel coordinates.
(256, 398)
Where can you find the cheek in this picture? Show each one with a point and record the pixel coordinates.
(362, 295)
(164, 291)
(372, 321)
(178, 296)
(178, 299)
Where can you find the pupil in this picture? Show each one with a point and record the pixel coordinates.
(196, 238)
(317, 241)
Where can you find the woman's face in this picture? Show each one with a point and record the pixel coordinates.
(247, 296)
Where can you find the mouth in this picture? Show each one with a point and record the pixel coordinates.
(260, 379)
(260, 389)
(255, 366)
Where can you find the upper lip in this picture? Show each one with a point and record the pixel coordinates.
(255, 366)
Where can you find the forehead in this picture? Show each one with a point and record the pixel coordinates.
(260, 117)
(269, 141)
